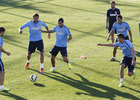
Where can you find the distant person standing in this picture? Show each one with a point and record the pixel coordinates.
(35, 39)
(111, 17)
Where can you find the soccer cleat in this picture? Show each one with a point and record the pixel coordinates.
(52, 70)
(134, 74)
(69, 65)
(113, 59)
(27, 66)
(41, 70)
(121, 84)
(5, 89)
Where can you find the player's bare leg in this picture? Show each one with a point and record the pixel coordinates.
(114, 54)
(65, 59)
(121, 74)
(41, 61)
(53, 63)
(28, 61)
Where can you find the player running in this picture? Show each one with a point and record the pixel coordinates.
(129, 58)
(120, 27)
(62, 32)
(35, 39)
(2, 73)
(111, 17)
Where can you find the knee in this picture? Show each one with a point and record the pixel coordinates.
(122, 68)
(65, 59)
(52, 58)
(130, 73)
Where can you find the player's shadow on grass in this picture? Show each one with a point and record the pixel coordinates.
(137, 53)
(132, 89)
(16, 97)
(90, 88)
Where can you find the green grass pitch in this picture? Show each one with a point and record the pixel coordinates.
(94, 78)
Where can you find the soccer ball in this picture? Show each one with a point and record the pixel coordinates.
(33, 78)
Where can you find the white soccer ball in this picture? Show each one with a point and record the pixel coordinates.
(33, 78)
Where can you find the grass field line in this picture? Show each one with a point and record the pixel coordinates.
(95, 51)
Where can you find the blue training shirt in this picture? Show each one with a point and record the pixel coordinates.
(1, 44)
(34, 33)
(125, 47)
(121, 28)
(61, 36)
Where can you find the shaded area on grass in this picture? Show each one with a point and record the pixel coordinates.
(39, 85)
(90, 88)
(16, 97)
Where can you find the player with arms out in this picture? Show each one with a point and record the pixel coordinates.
(2, 72)
(129, 58)
(120, 27)
(35, 39)
(62, 32)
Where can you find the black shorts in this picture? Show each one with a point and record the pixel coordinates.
(1, 65)
(33, 45)
(126, 38)
(55, 51)
(128, 61)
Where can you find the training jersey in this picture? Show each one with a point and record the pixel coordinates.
(61, 36)
(112, 15)
(121, 28)
(34, 33)
(125, 47)
(1, 44)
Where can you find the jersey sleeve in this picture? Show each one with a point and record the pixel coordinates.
(114, 27)
(128, 27)
(119, 11)
(129, 44)
(1, 41)
(54, 30)
(44, 24)
(107, 14)
(116, 44)
(25, 25)
(68, 31)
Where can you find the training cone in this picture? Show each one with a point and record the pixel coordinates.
(83, 57)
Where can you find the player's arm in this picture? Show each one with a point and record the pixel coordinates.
(130, 34)
(2, 50)
(111, 34)
(48, 31)
(107, 20)
(133, 57)
(22, 27)
(109, 45)
(49, 36)
(70, 37)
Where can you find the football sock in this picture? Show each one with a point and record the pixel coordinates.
(53, 68)
(1, 87)
(114, 57)
(28, 61)
(121, 80)
(41, 65)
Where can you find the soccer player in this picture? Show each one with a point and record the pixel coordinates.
(111, 17)
(120, 27)
(62, 32)
(2, 73)
(35, 39)
(129, 58)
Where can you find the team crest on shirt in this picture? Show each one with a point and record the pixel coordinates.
(115, 12)
(62, 31)
(123, 47)
(39, 25)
